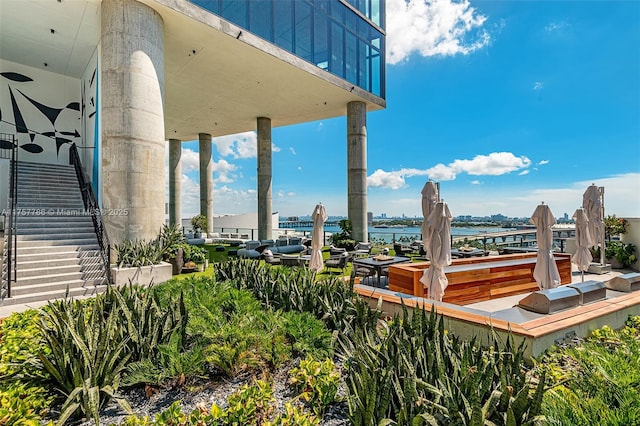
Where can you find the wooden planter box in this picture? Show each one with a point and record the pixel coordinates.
(142, 275)
(478, 279)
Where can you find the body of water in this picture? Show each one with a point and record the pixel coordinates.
(406, 234)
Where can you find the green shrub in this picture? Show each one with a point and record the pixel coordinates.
(170, 367)
(236, 331)
(317, 382)
(413, 371)
(296, 289)
(597, 382)
(20, 342)
(293, 416)
(85, 361)
(90, 344)
(138, 253)
(21, 404)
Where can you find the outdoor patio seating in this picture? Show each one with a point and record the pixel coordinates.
(271, 258)
(363, 249)
(338, 261)
(401, 250)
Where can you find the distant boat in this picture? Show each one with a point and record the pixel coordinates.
(381, 226)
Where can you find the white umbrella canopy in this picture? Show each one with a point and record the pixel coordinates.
(546, 271)
(319, 217)
(438, 250)
(592, 203)
(582, 257)
(430, 197)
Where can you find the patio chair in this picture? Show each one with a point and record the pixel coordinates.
(338, 261)
(401, 251)
(363, 249)
(270, 258)
(334, 251)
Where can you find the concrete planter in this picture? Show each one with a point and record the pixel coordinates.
(142, 275)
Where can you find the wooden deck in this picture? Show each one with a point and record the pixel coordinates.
(478, 279)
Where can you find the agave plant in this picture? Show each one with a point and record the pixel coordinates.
(85, 361)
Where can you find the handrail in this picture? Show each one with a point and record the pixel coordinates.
(91, 206)
(11, 219)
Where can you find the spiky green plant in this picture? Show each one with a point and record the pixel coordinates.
(86, 360)
(411, 370)
(138, 253)
(91, 342)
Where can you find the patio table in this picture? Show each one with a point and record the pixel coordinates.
(379, 262)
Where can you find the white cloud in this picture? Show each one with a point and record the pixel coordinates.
(494, 164)
(241, 145)
(392, 180)
(524, 172)
(224, 171)
(476, 182)
(543, 162)
(292, 150)
(190, 160)
(431, 28)
(299, 167)
(538, 85)
(556, 26)
(275, 148)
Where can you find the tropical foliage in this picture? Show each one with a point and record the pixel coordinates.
(247, 321)
(597, 382)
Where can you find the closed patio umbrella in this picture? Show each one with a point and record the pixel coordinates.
(430, 197)
(592, 203)
(546, 271)
(319, 217)
(582, 257)
(438, 250)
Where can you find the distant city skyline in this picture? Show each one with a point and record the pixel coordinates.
(506, 104)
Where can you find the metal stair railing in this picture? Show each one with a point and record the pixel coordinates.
(91, 206)
(11, 240)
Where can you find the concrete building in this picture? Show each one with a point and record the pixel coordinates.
(115, 79)
(120, 77)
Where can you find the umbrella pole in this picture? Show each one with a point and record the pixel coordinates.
(602, 247)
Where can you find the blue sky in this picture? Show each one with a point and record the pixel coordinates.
(505, 103)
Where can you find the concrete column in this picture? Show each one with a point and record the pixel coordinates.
(206, 179)
(357, 169)
(132, 119)
(175, 182)
(265, 227)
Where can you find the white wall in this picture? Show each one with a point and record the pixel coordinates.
(633, 236)
(48, 103)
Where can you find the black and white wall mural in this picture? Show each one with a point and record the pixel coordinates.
(42, 110)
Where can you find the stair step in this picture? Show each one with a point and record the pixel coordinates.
(56, 249)
(46, 184)
(31, 164)
(50, 278)
(40, 179)
(60, 256)
(70, 219)
(74, 292)
(47, 237)
(55, 228)
(35, 269)
(39, 261)
(47, 170)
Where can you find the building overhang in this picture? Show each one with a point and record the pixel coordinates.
(218, 78)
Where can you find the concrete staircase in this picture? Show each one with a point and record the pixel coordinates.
(57, 247)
